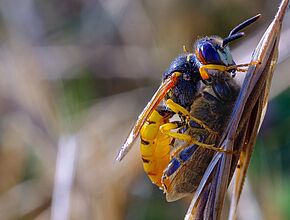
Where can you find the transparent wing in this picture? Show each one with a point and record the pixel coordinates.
(152, 104)
(268, 53)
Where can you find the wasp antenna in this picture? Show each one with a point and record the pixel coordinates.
(235, 34)
(244, 24)
(185, 49)
(232, 38)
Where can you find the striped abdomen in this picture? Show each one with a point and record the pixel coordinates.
(155, 147)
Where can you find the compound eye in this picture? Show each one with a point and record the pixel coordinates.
(209, 54)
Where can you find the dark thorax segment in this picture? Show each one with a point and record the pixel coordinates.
(213, 106)
(185, 91)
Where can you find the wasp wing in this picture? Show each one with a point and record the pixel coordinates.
(244, 123)
(269, 42)
(152, 104)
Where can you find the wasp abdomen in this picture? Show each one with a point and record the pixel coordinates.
(155, 147)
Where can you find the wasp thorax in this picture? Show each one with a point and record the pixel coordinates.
(184, 92)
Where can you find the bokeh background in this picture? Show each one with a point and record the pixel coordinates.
(75, 74)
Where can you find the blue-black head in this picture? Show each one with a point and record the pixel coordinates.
(214, 54)
(214, 50)
(210, 50)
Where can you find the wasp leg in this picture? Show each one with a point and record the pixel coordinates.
(203, 69)
(237, 67)
(166, 129)
(178, 109)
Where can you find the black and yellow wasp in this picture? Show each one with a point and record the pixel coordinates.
(199, 88)
(180, 153)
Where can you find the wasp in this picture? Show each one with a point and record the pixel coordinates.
(200, 110)
(200, 89)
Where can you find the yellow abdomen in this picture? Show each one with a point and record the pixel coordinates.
(155, 147)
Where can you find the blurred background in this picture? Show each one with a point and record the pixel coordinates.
(74, 76)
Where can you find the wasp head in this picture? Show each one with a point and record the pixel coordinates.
(211, 50)
(216, 64)
(213, 53)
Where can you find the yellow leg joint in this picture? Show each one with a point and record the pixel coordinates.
(203, 68)
(179, 109)
(166, 129)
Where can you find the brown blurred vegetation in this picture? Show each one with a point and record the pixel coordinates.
(74, 75)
